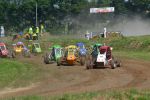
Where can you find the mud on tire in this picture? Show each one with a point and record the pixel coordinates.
(59, 62)
(82, 61)
(13, 54)
(113, 64)
(118, 63)
(46, 58)
(26, 53)
(89, 64)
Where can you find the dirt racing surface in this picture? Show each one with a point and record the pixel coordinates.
(67, 79)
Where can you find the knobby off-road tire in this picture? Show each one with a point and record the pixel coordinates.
(58, 61)
(13, 54)
(26, 53)
(89, 63)
(9, 54)
(113, 64)
(46, 58)
(116, 61)
(82, 61)
(93, 62)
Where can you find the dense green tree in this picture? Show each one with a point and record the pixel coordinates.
(19, 14)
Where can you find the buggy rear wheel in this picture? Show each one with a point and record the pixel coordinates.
(82, 61)
(113, 64)
(89, 64)
(118, 63)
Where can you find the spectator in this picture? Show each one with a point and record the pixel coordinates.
(30, 32)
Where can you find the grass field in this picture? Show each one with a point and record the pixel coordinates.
(16, 74)
(134, 54)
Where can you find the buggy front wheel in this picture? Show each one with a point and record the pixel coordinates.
(58, 62)
(46, 58)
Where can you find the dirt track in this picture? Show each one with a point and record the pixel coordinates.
(64, 79)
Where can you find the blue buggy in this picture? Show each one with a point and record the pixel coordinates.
(81, 52)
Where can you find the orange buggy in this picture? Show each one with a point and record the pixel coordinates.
(70, 56)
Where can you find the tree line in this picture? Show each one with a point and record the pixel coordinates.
(17, 15)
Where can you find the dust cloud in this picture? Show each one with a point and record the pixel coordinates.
(132, 27)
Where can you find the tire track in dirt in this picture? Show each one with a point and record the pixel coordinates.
(140, 70)
(100, 79)
(133, 73)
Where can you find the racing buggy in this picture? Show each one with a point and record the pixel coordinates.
(96, 47)
(56, 51)
(93, 48)
(35, 48)
(102, 57)
(82, 49)
(70, 57)
(82, 52)
(20, 49)
(3, 50)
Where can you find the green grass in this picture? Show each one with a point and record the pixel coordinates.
(15, 74)
(79, 96)
(141, 43)
(133, 54)
(99, 95)
(127, 95)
